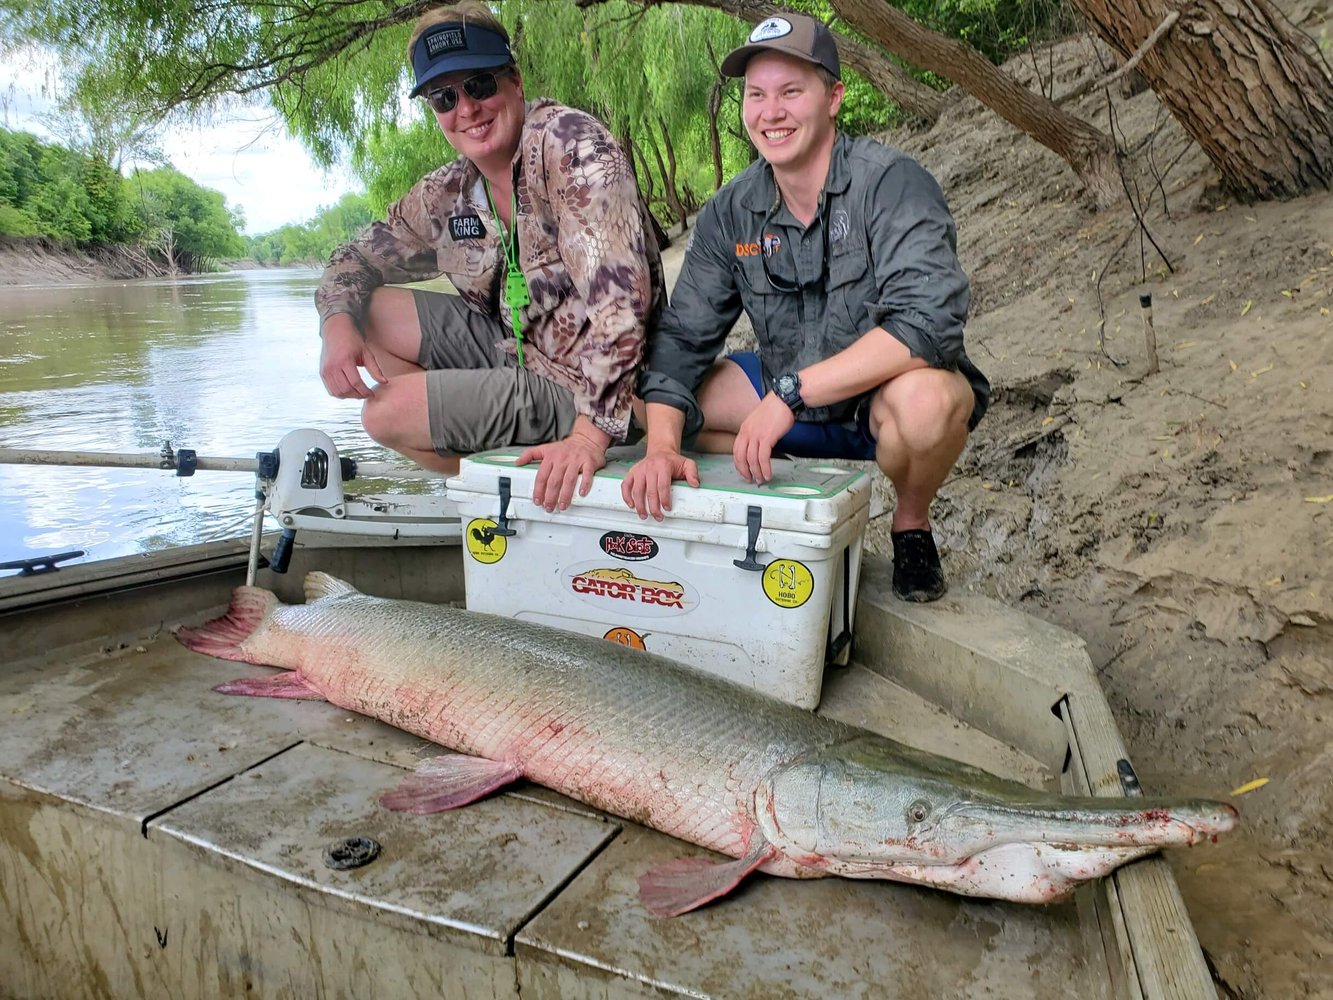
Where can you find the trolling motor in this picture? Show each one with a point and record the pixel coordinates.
(301, 484)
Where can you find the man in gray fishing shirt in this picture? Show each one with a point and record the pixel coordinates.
(841, 252)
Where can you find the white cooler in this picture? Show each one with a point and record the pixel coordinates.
(756, 584)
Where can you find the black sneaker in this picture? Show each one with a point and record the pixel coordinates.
(917, 575)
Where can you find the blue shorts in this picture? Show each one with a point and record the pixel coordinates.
(811, 440)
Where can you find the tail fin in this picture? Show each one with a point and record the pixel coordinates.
(222, 637)
(320, 585)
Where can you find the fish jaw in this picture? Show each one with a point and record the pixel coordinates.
(1017, 872)
(884, 811)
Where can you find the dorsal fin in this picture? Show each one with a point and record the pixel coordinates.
(320, 585)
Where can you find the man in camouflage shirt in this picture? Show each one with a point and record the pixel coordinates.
(841, 252)
(539, 226)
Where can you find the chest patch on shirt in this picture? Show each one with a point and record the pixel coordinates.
(466, 227)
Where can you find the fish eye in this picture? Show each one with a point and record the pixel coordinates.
(918, 810)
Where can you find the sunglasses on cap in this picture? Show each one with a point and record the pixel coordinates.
(480, 86)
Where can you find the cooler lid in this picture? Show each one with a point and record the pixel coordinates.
(804, 495)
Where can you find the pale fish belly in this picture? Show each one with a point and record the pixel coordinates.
(630, 734)
(777, 788)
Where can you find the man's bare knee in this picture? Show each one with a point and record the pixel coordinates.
(726, 397)
(925, 412)
(392, 329)
(378, 421)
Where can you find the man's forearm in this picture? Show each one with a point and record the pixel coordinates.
(871, 361)
(339, 322)
(666, 427)
(586, 429)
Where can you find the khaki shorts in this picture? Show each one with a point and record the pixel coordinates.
(476, 395)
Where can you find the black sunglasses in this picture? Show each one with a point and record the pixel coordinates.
(781, 284)
(444, 99)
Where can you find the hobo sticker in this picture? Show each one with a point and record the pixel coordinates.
(626, 637)
(788, 583)
(483, 544)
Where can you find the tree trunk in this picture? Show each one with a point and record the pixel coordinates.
(884, 74)
(714, 135)
(669, 176)
(167, 243)
(1237, 78)
(647, 184)
(1088, 150)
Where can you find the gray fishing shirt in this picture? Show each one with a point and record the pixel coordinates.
(881, 251)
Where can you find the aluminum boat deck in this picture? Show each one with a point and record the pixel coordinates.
(160, 840)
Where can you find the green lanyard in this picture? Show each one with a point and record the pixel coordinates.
(515, 295)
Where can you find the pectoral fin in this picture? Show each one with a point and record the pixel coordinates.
(670, 889)
(284, 685)
(449, 781)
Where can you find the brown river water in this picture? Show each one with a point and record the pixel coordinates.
(225, 364)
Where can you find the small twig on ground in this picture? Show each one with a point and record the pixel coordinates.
(1201, 399)
(1101, 303)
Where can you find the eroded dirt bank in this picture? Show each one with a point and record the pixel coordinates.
(1181, 522)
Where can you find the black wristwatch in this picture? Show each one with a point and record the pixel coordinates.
(787, 387)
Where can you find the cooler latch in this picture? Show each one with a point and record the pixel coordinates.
(753, 518)
(502, 527)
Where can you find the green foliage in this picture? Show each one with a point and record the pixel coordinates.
(865, 110)
(392, 157)
(17, 222)
(47, 190)
(312, 242)
(50, 190)
(196, 217)
(337, 73)
(998, 28)
(647, 72)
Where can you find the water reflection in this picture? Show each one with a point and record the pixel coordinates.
(224, 364)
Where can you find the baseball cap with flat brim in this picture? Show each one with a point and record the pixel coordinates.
(457, 45)
(791, 34)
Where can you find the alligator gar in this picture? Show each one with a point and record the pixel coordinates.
(773, 787)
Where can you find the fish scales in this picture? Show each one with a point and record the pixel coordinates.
(667, 746)
(778, 788)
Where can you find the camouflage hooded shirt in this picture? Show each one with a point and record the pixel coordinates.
(585, 246)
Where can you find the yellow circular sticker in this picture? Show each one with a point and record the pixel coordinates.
(483, 544)
(787, 583)
(626, 637)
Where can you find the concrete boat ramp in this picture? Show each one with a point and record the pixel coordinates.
(161, 840)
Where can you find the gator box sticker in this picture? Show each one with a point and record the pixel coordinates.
(622, 590)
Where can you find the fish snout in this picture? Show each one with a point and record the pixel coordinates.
(1102, 822)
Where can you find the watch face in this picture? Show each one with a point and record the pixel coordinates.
(784, 385)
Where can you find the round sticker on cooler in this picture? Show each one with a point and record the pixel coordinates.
(483, 544)
(788, 583)
(626, 637)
